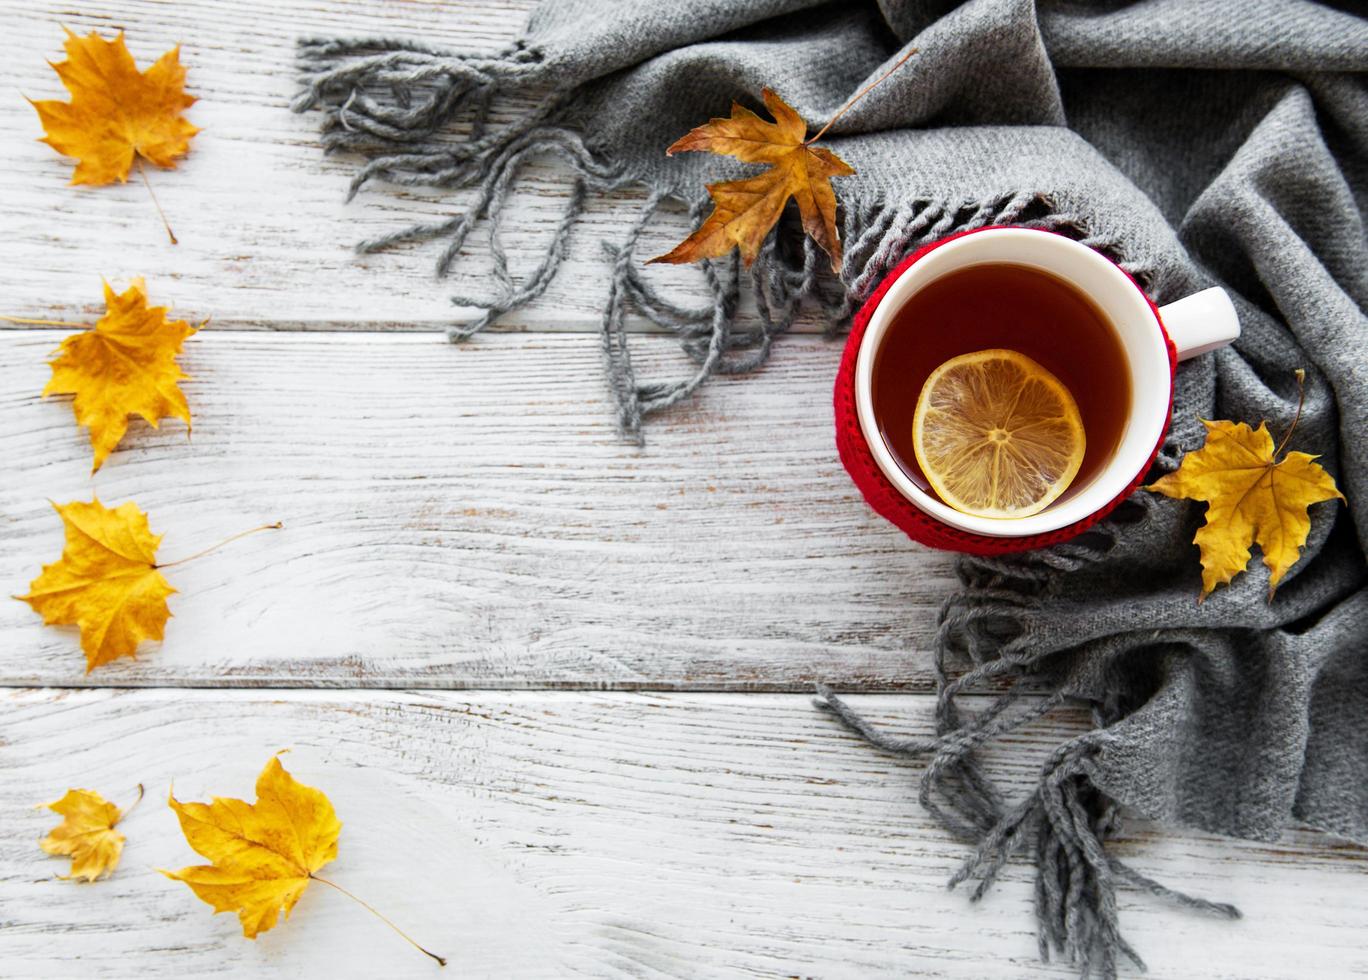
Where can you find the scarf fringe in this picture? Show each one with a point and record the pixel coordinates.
(392, 103)
(388, 101)
(1063, 823)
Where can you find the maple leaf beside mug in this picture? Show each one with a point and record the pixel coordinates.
(1151, 341)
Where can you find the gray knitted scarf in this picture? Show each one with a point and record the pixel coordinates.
(1198, 142)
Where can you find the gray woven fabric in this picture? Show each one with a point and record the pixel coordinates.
(1197, 143)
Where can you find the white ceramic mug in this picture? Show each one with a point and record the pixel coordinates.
(1196, 324)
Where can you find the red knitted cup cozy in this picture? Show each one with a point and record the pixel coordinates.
(884, 497)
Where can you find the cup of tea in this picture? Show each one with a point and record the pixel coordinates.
(1040, 299)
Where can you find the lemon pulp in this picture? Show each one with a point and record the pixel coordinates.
(997, 435)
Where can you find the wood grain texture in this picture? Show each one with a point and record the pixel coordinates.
(265, 236)
(467, 516)
(543, 834)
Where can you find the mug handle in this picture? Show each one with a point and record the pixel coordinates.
(1201, 322)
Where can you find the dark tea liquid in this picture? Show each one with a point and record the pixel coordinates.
(1019, 308)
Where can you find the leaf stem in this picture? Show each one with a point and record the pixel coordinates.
(1301, 400)
(45, 323)
(133, 806)
(382, 917)
(215, 547)
(858, 96)
(137, 162)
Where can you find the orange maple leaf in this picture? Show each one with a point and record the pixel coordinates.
(1254, 495)
(124, 365)
(264, 855)
(745, 210)
(86, 833)
(107, 581)
(116, 113)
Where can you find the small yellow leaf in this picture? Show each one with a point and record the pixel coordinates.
(1252, 498)
(264, 854)
(106, 581)
(86, 834)
(124, 365)
(116, 112)
(745, 210)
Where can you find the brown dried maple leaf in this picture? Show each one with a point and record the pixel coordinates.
(745, 210)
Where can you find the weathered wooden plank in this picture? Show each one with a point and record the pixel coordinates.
(468, 515)
(542, 834)
(265, 236)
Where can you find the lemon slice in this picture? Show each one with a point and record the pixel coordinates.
(996, 434)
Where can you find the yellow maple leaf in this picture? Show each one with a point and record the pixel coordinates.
(265, 853)
(124, 365)
(107, 581)
(86, 834)
(745, 210)
(1252, 497)
(117, 114)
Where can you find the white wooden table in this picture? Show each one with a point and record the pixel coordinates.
(554, 684)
